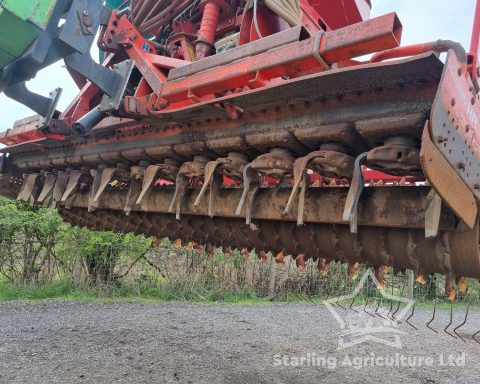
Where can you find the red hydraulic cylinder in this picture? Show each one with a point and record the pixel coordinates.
(208, 28)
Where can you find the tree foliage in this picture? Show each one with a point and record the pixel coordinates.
(35, 244)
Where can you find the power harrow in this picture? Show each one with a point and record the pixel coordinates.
(252, 125)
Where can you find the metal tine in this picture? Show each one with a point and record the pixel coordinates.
(351, 304)
(356, 188)
(461, 325)
(450, 323)
(365, 308)
(246, 186)
(340, 305)
(392, 316)
(391, 301)
(433, 317)
(409, 317)
(301, 199)
(473, 337)
(210, 169)
(391, 306)
(399, 303)
(376, 310)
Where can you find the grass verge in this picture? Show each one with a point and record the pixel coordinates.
(68, 291)
(159, 293)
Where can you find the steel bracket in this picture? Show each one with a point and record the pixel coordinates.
(112, 102)
(455, 123)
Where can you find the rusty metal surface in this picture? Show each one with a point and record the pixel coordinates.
(255, 47)
(454, 123)
(355, 96)
(309, 123)
(447, 182)
(396, 247)
(402, 207)
(399, 155)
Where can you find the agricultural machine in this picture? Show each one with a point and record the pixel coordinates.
(255, 125)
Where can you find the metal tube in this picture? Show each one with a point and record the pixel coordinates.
(208, 28)
(474, 44)
(83, 126)
(417, 49)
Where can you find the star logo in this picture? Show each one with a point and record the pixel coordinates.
(359, 326)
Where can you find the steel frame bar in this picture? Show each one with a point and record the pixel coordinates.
(291, 60)
(323, 205)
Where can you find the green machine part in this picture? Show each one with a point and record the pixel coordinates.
(21, 21)
(114, 3)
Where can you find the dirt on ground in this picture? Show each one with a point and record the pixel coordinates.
(62, 342)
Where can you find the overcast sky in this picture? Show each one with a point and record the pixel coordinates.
(423, 20)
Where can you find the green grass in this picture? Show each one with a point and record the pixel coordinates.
(67, 291)
(160, 293)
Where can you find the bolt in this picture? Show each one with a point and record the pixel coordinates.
(85, 13)
(442, 139)
(90, 30)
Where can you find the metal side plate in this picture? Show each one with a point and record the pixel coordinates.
(447, 182)
(454, 124)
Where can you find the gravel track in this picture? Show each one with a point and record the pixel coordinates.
(62, 342)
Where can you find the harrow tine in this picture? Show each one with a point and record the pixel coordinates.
(248, 194)
(301, 199)
(379, 302)
(433, 317)
(248, 174)
(136, 175)
(462, 324)
(394, 313)
(391, 305)
(398, 306)
(251, 201)
(148, 181)
(473, 337)
(29, 188)
(299, 175)
(59, 187)
(72, 184)
(356, 188)
(450, 323)
(351, 304)
(210, 168)
(47, 189)
(214, 187)
(409, 317)
(106, 175)
(181, 186)
(365, 308)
